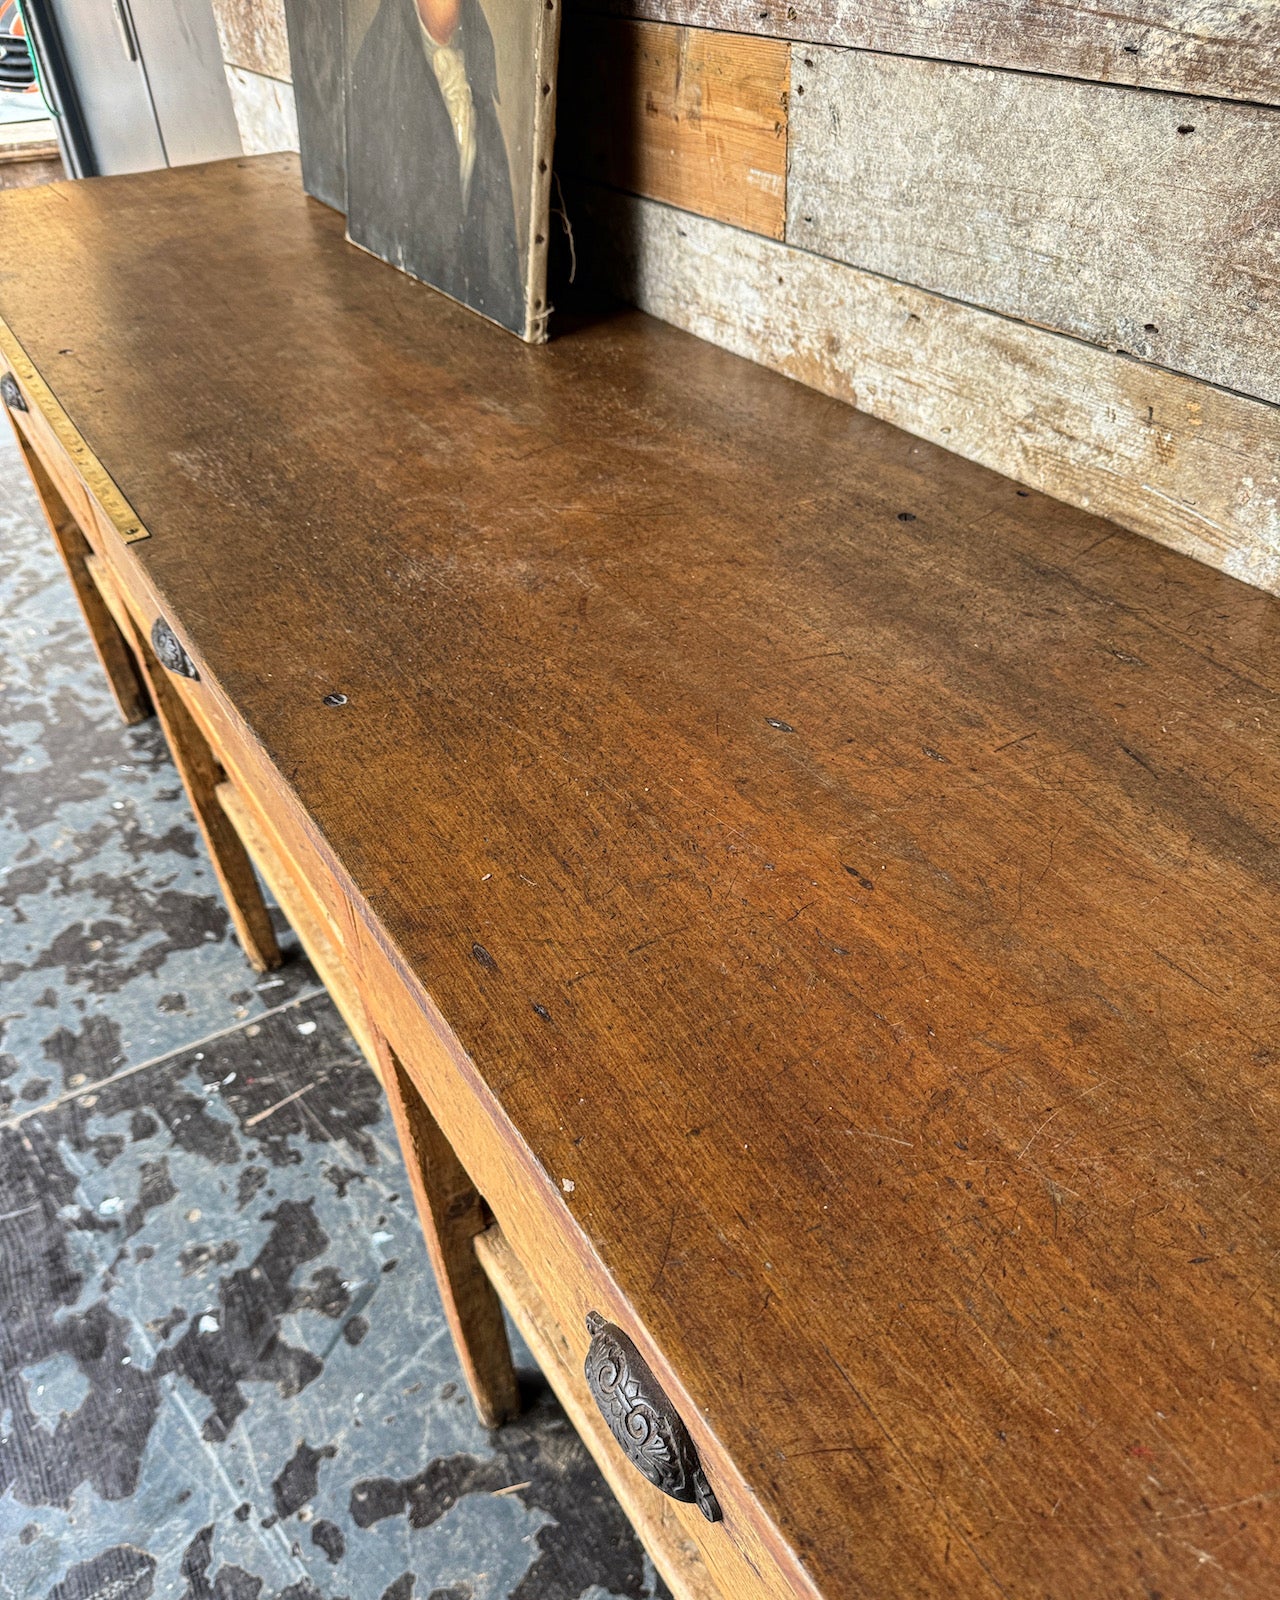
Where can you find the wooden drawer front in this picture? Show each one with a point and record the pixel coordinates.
(654, 1517)
(44, 442)
(743, 1555)
(319, 933)
(277, 825)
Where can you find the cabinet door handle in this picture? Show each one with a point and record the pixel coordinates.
(11, 394)
(169, 651)
(124, 22)
(642, 1419)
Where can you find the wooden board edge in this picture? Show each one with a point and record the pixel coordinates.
(537, 312)
(1216, 68)
(676, 1558)
(320, 948)
(99, 482)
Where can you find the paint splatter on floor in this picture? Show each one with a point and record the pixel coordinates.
(224, 1372)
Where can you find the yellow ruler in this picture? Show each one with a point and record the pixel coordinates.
(99, 482)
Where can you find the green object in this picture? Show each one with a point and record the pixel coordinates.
(35, 64)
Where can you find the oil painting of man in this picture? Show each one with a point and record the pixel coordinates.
(429, 175)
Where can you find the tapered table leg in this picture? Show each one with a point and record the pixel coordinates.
(127, 688)
(452, 1214)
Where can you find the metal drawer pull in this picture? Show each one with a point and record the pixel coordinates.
(169, 651)
(642, 1419)
(11, 394)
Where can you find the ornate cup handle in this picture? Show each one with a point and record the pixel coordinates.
(169, 651)
(642, 1419)
(11, 394)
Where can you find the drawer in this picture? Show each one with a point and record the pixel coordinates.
(282, 842)
(542, 1245)
(39, 435)
(654, 1517)
(301, 882)
(76, 473)
(278, 840)
(301, 899)
(256, 799)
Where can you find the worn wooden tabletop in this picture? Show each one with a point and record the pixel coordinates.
(875, 864)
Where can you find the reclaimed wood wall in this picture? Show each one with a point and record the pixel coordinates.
(1045, 236)
(255, 51)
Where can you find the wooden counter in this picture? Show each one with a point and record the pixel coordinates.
(825, 894)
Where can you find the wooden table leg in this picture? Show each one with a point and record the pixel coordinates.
(201, 775)
(126, 686)
(452, 1214)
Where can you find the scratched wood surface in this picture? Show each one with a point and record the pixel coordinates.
(1187, 464)
(694, 118)
(875, 865)
(1140, 222)
(1223, 48)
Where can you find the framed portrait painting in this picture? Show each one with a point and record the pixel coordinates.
(449, 113)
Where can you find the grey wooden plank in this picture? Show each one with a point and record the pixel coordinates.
(266, 113)
(1180, 461)
(1225, 48)
(1140, 222)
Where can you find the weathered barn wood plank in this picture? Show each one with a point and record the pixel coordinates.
(694, 118)
(1178, 460)
(1225, 48)
(1142, 222)
(254, 36)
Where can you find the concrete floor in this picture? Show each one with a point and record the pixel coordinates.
(224, 1373)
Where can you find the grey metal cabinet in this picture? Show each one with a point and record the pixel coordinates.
(149, 81)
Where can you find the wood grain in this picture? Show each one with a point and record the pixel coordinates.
(650, 1513)
(1180, 461)
(873, 871)
(694, 118)
(78, 472)
(319, 936)
(1223, 48)
(1141, 222)
(253, 35)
